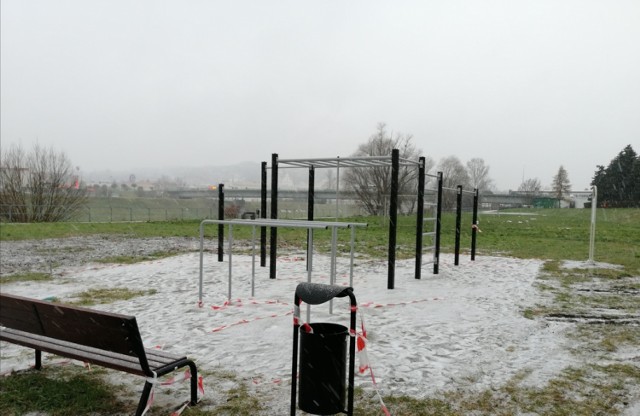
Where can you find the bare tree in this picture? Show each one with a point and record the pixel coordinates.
(530, 188)
(561, 185)
(479, 174)
(39, 186)
(330, 179)
(453, 174)
(372, 185)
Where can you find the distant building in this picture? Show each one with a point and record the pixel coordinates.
(581, 199)
(545, 202)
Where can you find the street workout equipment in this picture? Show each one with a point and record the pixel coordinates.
(392, 161)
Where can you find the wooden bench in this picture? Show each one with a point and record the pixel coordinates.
(107, 339)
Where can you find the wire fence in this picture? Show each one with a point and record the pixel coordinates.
(14, 213)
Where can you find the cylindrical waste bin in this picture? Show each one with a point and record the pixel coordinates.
(323, 358)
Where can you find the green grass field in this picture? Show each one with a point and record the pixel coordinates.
(546, 234)
(604, 384)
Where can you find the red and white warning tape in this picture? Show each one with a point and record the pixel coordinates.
(382, 305)
(172, 380)
(291, 259)
(363, 359)
(246, 321)
(239, 303)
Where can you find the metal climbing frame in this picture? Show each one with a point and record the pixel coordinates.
(433, 222)
(474, 224)
(393, 161)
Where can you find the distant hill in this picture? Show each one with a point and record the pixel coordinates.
(240, 175)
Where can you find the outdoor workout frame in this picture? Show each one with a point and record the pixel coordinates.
(393, 161)
(420, 220)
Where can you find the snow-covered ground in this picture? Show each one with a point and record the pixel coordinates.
(462, 327)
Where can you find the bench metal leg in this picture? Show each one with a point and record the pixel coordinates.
(144, 398)
(146, 391)
(38, 359)
(194, 383)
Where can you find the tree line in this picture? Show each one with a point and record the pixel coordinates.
(42, 186)
(372, 185)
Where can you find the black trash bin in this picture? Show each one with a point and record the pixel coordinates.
(323, 355)
(323, 368)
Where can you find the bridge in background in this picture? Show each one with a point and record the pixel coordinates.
(487, 201)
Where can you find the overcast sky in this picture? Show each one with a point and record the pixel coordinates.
(525, 85)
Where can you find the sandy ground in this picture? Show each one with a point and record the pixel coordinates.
(462, 328)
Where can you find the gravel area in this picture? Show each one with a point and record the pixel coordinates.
(51, 255)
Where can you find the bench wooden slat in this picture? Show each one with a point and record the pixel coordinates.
(20, 315)
(104, 330)
(87, 354)
(157, 359)
(116, 333)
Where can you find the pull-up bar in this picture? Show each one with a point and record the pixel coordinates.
(345, 162)
(309, 225)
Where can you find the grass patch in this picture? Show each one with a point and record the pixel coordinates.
(25, 277)
(59, 392)
(239, 400)
(101, 296)
(39, 231)
(580, 291)
(588, 390)
(554, 234)
(605, 339)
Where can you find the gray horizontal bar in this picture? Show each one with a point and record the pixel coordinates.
(270, 223)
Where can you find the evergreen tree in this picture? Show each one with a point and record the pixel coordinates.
(561, 185)
(635, 180)
(619, 183)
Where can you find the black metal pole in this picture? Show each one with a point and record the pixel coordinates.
(294, 359)
(220, 226)
(310, 204)
(474, 224)
(352, 351)
(393, 217)
(420, 217)
(274, 215)
(436, 256)
(263, 214)
(458, 224)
